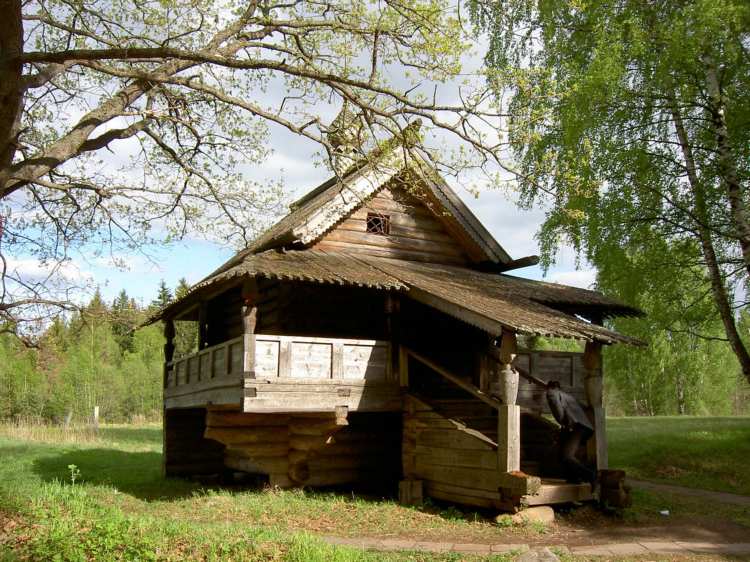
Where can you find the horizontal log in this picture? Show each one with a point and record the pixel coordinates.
(453, 440)
(560, 493)
(240, 419)
(228, 396)
(396, 242)
(389, 253)
(372, 462)
(249, 450)
(467, 477)
(264, 465)
(457, 457)
(235, 436)
(437, 491)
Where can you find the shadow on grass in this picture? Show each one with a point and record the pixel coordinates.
(134, 473)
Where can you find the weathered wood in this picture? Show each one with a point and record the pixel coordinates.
(509, 438)
(476, 458)
(597, 446)
(378, 251)
(264, 465)
(249, 322)
(458, 381)
(410, 492)
(250, 450)
(469, 477)
(229, 418)
(232, 436)
(559, 493)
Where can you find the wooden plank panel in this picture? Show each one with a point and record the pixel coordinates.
(219, 360)
(311, 360)
(236, 357)
(365, 362)
(266, 358)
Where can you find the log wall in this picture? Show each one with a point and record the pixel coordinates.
(415, 233)
(321, 449)
(186, 451)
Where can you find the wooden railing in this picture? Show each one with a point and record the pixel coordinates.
(218, 360)
(455, 379)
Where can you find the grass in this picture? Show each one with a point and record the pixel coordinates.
(121, 508)
(707, 453)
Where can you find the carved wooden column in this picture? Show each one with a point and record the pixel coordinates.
(592, 365)
(509, 414)
(249, 322)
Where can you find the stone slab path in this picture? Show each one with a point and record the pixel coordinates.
(620, 549)
(721, 497)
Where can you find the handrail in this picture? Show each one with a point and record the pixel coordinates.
(470, 388)
(209, 371)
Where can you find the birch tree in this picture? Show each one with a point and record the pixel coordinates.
(631, 120)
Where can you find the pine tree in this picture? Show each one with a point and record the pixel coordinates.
(163, 296)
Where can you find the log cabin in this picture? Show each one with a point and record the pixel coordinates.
(374, 335)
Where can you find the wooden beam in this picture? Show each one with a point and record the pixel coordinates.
(458, 381)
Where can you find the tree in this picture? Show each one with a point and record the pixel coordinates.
(631, 120)
(163, 296)
(182, 92)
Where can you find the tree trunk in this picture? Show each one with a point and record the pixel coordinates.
(11, 92)
(718, 289)
(727, 169)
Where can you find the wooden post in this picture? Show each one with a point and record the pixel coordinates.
(403, 366)
(509, 414)
(249, 322)
(392, 332)
(592, 365)
(202, 326)
(169, 334)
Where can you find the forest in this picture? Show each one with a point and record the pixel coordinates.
(101, 357)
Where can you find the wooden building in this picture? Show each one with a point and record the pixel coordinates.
(371, 335)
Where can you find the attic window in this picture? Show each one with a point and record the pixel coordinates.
(378, 224)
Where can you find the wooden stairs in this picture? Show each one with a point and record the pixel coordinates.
(461, 464)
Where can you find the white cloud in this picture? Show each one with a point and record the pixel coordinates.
(583, 278)
(31, 270)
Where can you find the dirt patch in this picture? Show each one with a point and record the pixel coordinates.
(586, 525)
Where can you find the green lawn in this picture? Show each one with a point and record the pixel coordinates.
(708, 453)
(119, 506)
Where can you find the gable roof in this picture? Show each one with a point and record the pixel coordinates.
(320, 210)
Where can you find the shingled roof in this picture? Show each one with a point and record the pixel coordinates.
(488, 301)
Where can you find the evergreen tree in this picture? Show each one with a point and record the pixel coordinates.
(163, 296)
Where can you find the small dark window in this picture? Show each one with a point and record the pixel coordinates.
(378, 224)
